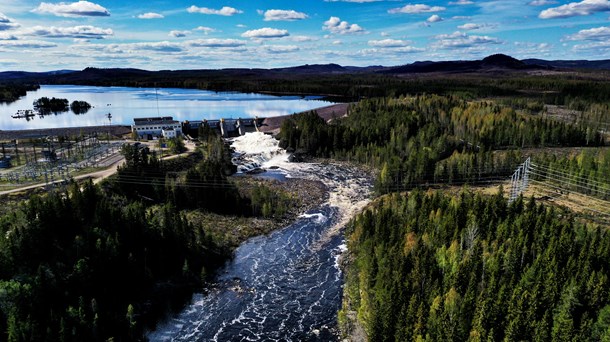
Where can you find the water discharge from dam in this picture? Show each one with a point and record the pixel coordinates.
(286, 286)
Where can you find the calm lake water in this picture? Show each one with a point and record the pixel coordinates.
(127, 103)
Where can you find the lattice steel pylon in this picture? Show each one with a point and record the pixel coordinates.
(520, 180)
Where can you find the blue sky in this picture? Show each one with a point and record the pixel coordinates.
(164, 34)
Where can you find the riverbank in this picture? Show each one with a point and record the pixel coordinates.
(231, 231)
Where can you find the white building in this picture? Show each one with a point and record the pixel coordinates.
(156, 127)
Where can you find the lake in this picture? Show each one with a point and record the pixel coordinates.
(126, 103)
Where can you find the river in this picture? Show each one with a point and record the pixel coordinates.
(286, 286)
(125, 103)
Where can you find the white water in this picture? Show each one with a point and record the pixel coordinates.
(286, 286)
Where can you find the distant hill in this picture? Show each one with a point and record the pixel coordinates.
(571, 64)
(498, 62)
(224, 79)
(18, 75)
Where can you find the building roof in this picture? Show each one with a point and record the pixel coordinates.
(166, 120)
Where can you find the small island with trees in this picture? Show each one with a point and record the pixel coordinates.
(46, 106)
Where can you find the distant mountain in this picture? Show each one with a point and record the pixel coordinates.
(498, 62)
(19, 75)
(571, 64)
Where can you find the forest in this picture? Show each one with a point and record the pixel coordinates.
(431, 139)
(97, 263)
(10, 92)
(435, 267)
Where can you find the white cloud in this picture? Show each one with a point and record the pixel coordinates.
(335, 25)
(7, 23)
(75, 9)
(541, 2)
(213, 42)
(163, 46)
(585, 7)
(36, 44)
(281, 48)
(358, 1)
(596, 47)
(337, 42)
(284, 15)
(265, 33)
(303, 39)
(241, 26)
(435, 18)
(462, 40)
(469, 26)
(598, 33)
(179, 34)
(225, 11)
(204, 29)
(85, 32)
(461, 2)
(384, 34)
(151, 15)
(7, 36)
(389, 43)
(416, 9)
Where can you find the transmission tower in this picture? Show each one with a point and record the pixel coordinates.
(520, 180)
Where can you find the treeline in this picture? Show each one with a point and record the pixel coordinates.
(432, 267)
(550, 89)
(76, 266)
(587, 172)
(429, 138)
(13, 91)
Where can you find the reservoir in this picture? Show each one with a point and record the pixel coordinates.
(126, 103)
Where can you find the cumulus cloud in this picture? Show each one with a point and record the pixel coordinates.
(151, 15)
(597, 33)
(204, 29)
(225, 11)
(573, 9)
(6, 23)
(284, 15)
(275, 49)
(389, 43)
(179, 34)
(435, 18)
(75, 9)
(303, 39)
(213, 42)
(265, 33)
(335, 25)
(84, 32)
(541, 2)
(462, 40)
(27, 44)
(469, 26)
(416, 9)
(163, 46)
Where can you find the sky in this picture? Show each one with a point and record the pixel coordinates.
(211, 34)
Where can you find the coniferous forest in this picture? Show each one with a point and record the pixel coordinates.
(434, 267)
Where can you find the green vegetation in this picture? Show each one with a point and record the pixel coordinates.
(432, 267)
(83, 265)
(80, 107)
(431, 139)
(12, 92)
(46, 106)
